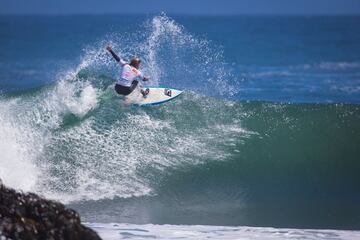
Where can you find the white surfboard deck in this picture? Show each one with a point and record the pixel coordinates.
(156, 95)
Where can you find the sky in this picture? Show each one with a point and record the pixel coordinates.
(190, 7)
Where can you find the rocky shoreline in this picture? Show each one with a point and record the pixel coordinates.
(29, 216)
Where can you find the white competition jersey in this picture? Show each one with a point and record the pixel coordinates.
(128, 74)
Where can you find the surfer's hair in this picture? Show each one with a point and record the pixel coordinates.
(135, 62)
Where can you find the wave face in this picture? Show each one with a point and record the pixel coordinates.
(258, 164)
(196, 160)
(204, 158)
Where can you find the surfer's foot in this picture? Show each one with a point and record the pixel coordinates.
(145, 92)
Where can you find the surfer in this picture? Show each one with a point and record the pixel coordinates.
(127, 81)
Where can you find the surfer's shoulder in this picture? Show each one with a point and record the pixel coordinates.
(122, 62)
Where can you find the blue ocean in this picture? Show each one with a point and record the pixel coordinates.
(264, 143)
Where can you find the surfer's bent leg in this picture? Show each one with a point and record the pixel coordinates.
(123, 90)
(133, 85)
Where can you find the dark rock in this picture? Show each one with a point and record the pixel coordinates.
(28, 216)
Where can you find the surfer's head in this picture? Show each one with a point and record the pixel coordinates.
(135, 62)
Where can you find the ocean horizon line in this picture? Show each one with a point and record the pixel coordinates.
(177, 14)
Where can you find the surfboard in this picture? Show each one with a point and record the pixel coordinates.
(156, 95)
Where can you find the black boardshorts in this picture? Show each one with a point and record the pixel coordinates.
(123, 90)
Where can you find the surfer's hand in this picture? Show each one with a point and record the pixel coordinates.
(146, 78)
(108, 48)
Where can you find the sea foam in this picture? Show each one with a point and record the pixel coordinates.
(149, 231)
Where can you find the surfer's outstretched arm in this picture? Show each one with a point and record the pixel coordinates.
(116, 57)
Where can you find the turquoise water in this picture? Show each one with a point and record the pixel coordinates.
(266, 134)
